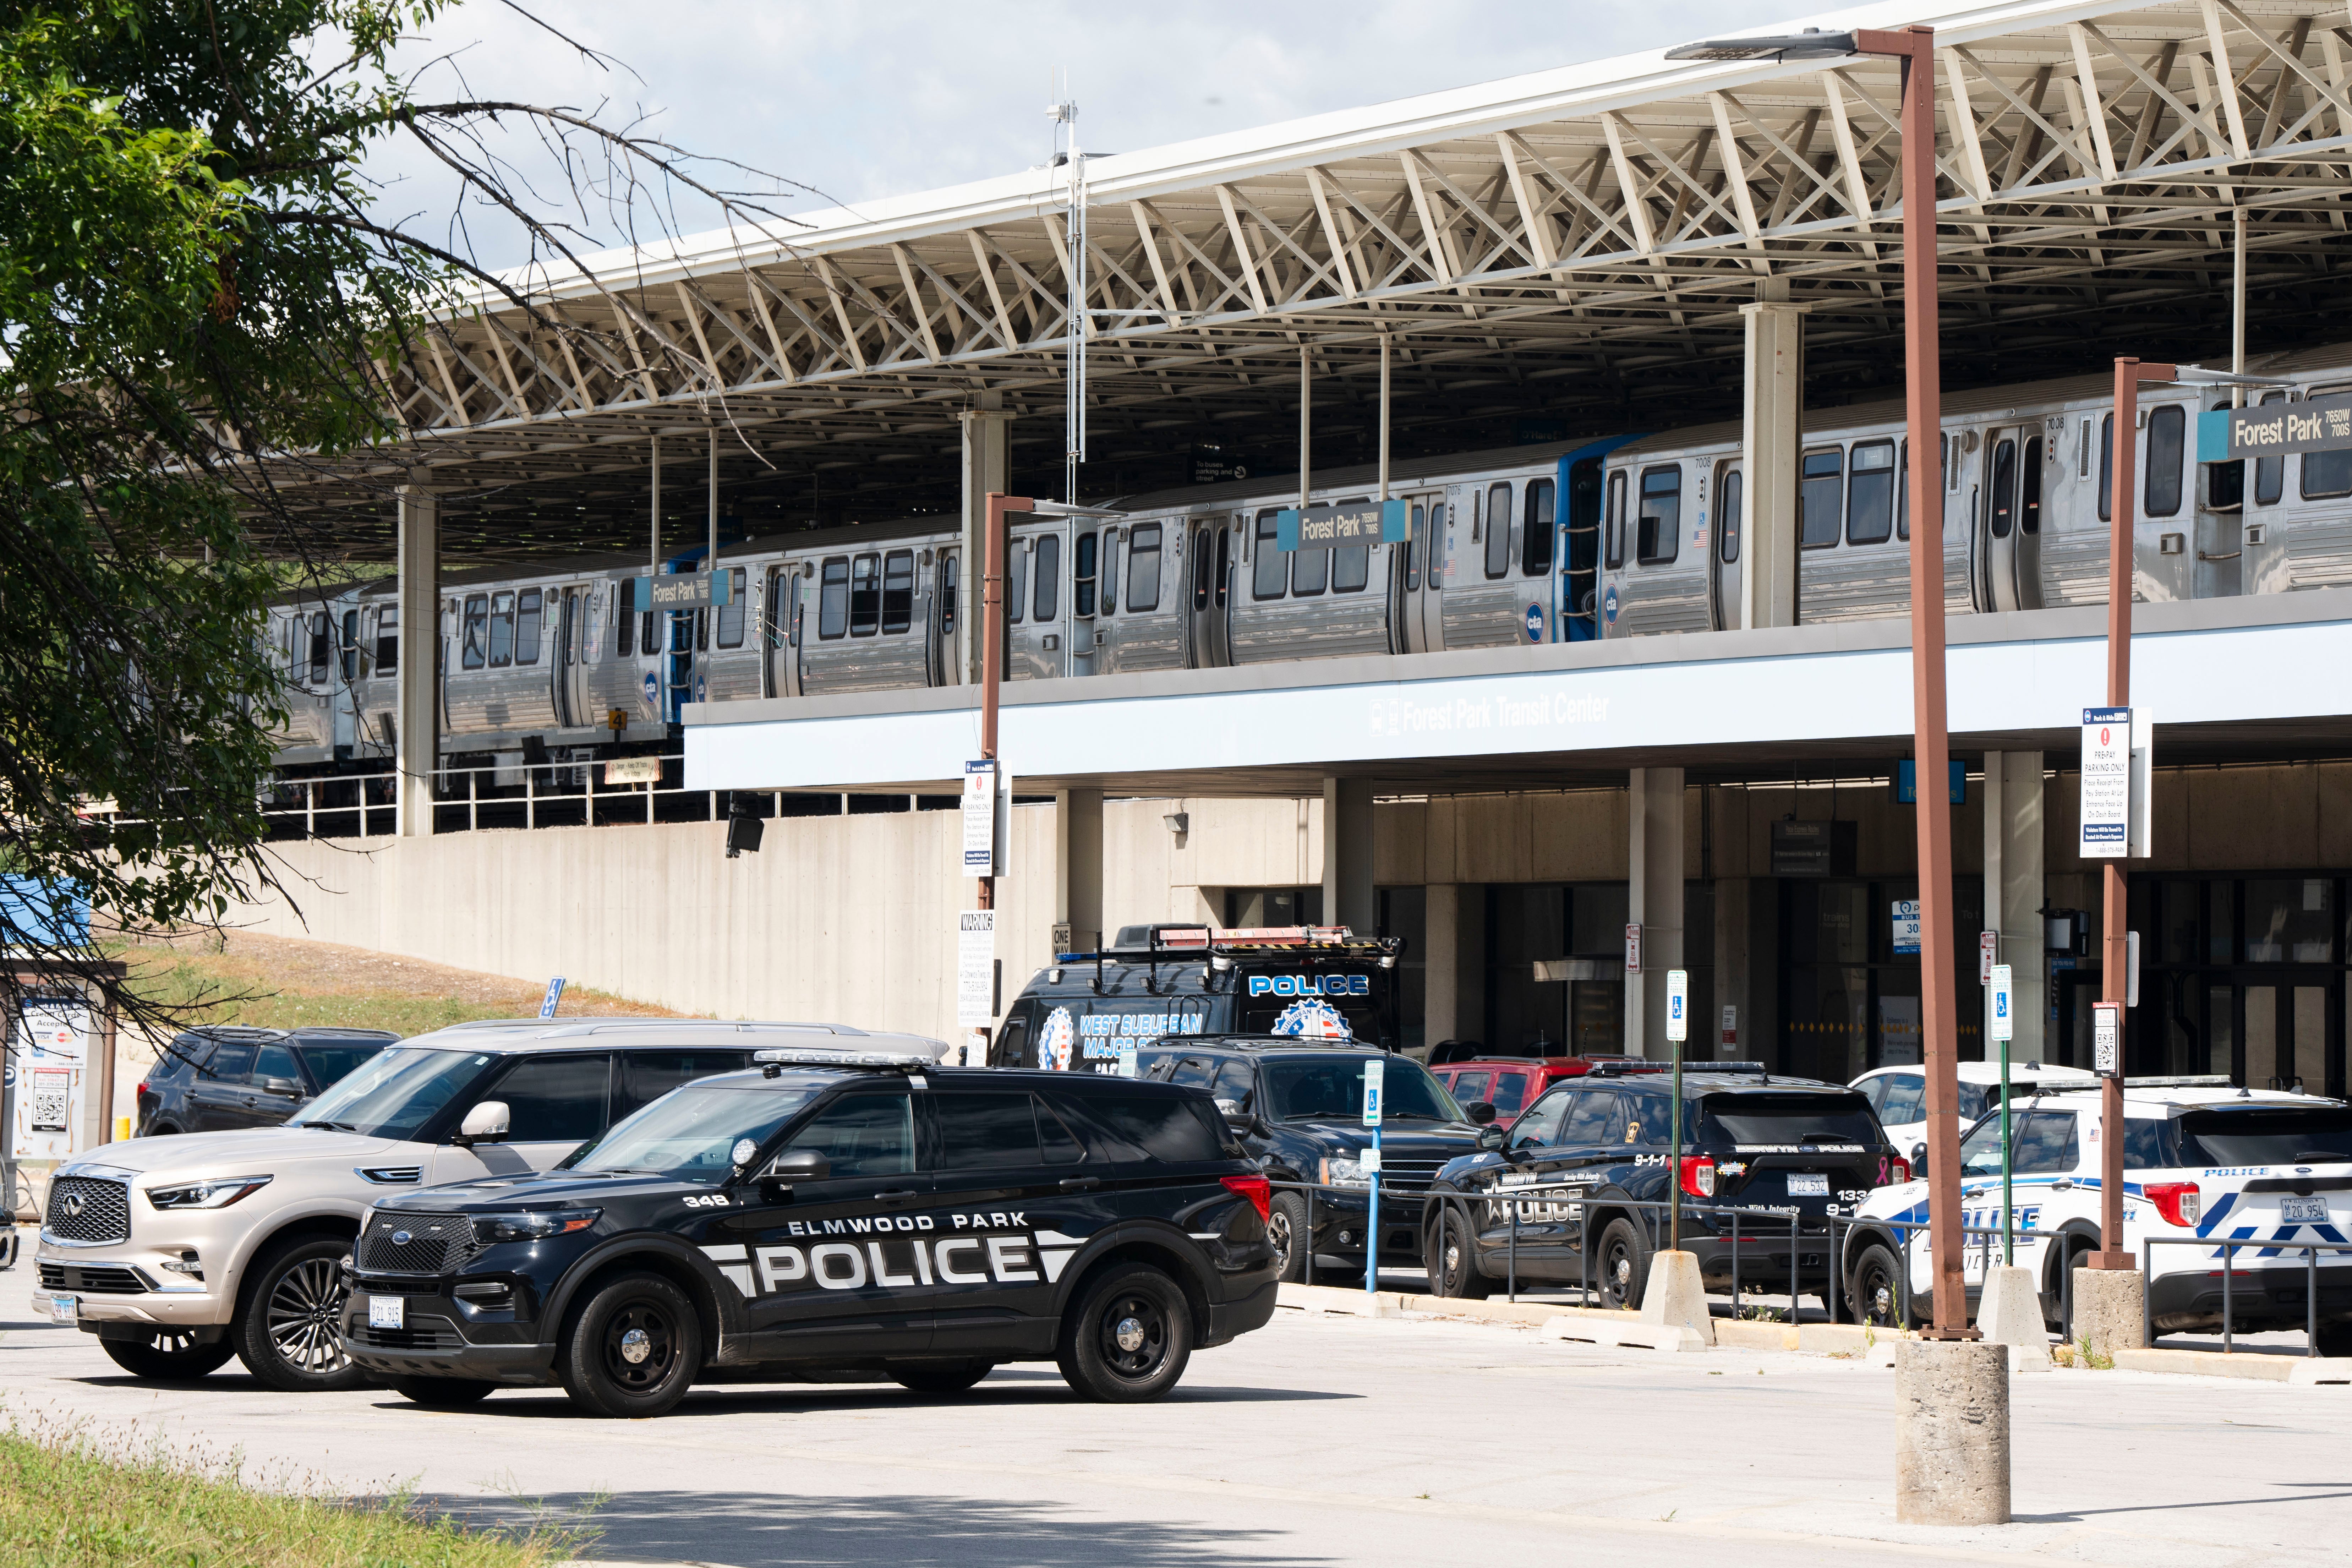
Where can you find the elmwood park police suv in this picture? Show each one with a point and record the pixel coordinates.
(830, 1215)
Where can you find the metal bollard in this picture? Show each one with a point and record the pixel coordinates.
(1511, 1263)
(2229, 1319)
(2311, 1304)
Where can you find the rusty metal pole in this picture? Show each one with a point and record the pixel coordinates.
(993, 550)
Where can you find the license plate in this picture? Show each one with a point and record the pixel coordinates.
(2307, 1210)
(65, 1309)
(387, 1311)
(1808, 1184)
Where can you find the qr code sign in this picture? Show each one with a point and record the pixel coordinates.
(51, 1091)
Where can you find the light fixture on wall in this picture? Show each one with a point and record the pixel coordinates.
(1179, 823)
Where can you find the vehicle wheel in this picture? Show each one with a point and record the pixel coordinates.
(169, 1356)
(1623, 1264)
(634, 1349)
(938, 1376)
(2334, 1339)
(442, 1392)
(1452, 1258)
(1129, 1338)
(1873, 1288)
(289, 1330)
(1287, 1231)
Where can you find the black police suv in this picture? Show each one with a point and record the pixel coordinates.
(1298, 1107)
(1086, 1010)
(825, 1217)
(225, 1078)
(1592, 1147)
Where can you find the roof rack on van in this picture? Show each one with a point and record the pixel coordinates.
(1649, 1064)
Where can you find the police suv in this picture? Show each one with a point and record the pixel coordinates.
(827, 1216)
(2201, 1160)
(1088, 1009)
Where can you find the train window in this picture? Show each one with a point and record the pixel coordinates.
(730, 614)
(1869, 499)
(1201, 566)
(529, 610)
(898, 592)
(2083, 451)
(1351, 568)
(948, 589)
(1310, 571)
(2107, 468)
(1657, 532)
(1498, 530)
(1225, 578)
(2029, 502)
(1082, 573)
(2326, 473)
(474, 635)
(1616, 521)
(351, 649)
(387, 640)
(2167, 432)
(1819, 496)
(1535, 530)
(319, 648)
(1111, 571)
(1016, 580)
(2004, 486)
(865, 595)
(1143, 568)
(1726, 516)
(1045, 601)
(502, 629)
(833, 600)
(1412, 544)
(2270, 473)
(1270, 573)
(2225, 483)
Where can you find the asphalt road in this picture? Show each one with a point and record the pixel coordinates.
(1316, 1441)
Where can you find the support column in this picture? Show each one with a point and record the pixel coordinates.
(1078, 868)
(1773, 411)
(417, 724)
(1654, 902)
(987, 445)
(2014, 873)
(1348, 897)
(1455, 970)
(1739, 976)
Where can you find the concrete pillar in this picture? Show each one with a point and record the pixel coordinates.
(416, 717)
(1348, 896)
(1951, 1432)
(1078, 869)
(2111, 1310)
(1456, 1008)
(1654, 902)
(1747, 971)
(987, 445)
(1772, 409)
(2013, 869)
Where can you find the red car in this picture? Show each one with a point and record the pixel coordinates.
(1510, 1084)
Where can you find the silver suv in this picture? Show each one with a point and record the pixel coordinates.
(181, 1252)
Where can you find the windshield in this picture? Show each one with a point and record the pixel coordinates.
(690, 1133)
(394, 1094)
(333, 1064)
(1751, 1119)
(2042, 1143)
(2288, 1135)
(1316, 1091)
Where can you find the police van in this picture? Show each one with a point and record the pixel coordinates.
(1089, 1011)
(2201, 1160)
(827, 1216)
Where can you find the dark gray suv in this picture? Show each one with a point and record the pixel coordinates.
(224, 1079)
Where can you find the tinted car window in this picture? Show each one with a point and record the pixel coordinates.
(1156, 1129)
(1541, 1127)
(1192, 1072)
(329, 1064)
(1839, 1116)
(692, 1136)
(230, 1062)
(396, 1093)
(553, 1099)
(1593, 1118)
(2291, 1134)
(276, 1060)
(1906, 1098)
(1296, 1090)
(1646, 1119)
(647, 1076)
(1470, 1088)
(182, 1057)
(863, 1135)
(1236, 1082)
(1510, 1092)
(2045, 1144)
(986, 1132)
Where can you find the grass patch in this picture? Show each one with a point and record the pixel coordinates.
(69, 1501)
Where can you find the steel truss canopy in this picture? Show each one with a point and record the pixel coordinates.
(1578, 240)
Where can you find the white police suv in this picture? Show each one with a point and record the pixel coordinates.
(2200, 1163)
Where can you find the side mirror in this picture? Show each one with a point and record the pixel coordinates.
(1918, 1159)
(285, 1086)
(1490, 1137)
(1481, 1111)
(1238, 1119)
(790, 1166)
(487, 1123)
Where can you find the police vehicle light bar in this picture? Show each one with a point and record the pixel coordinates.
(807, 1058)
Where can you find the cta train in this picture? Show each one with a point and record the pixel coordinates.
(1629, 535)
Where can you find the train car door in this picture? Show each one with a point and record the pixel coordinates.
(1086, 547)
(1423, 613)
(568, 667)
(1206, 576)
(2219, 572)
(1727, 584)
(947, 580)
(1997, 519)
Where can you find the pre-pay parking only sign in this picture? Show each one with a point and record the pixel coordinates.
(2106, 783)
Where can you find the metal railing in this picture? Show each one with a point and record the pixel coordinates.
(2229, 1247)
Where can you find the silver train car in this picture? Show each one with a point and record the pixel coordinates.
(1626, 536)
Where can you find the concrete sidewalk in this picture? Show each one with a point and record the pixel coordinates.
(1321, 1440)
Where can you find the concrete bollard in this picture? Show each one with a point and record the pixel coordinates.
(1676, 1296)
(2009, 1313)
(2111, 1310)
(1951, 1432)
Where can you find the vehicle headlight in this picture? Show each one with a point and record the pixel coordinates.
(215, 1193)
(1345, 1174)
(490, 1228)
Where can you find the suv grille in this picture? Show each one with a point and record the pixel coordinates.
(108, 1279)
(86, 1208)
(434, 1244)
(1407, 1176)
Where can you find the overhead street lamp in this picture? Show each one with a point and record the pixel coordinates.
(1931, 746)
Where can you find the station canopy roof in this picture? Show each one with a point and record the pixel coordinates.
(1549, 256)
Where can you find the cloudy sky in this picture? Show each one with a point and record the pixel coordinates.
(860, 99)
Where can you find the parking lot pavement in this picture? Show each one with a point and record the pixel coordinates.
(1317, 1441)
